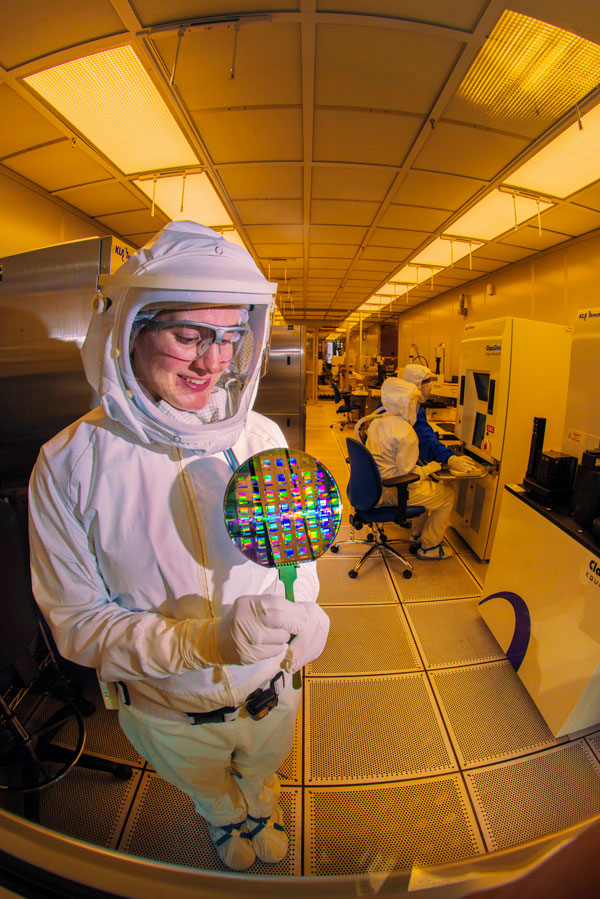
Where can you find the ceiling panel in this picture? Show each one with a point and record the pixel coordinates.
(401, 239)
(243, 135)
(351, 182)
(56, 166)
(357, 136)
(336, 234)
(280, 234)
(31, 29)
(339, 212)
(417, 218)
(23, 126)
(333, 251)
(265, 212)
(436, 190)
(458, 15)
(380, 68)
(261, 181)
(288, 250)
(462, 150)
(571, 219)
(102, 198)
(504, 252)
(267, 66)
(530, 238)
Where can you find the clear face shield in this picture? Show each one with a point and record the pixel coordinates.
(192, 360)
(425, 388)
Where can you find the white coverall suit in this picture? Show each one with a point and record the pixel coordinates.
(132, 564)
(392, 441)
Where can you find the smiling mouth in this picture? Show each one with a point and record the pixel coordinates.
(195, 383)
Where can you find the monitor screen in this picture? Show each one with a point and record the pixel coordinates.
(482, 385)
(479, 429)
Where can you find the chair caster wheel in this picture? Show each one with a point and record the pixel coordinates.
(370, 538)
(384, 538)
(407, 574)
(414, 548)
(334, 549)
(353, 574)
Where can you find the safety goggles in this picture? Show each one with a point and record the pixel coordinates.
(192, 339)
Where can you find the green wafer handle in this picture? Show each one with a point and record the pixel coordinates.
(287, 576)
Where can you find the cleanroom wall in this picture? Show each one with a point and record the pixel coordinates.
(29, 220)
(550, 287)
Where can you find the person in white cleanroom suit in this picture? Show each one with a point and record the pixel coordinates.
(132, 565)
(394, 445)
(431, 448)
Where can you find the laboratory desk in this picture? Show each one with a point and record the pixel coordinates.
(542, 603)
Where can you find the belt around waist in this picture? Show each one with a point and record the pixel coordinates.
(142, 704)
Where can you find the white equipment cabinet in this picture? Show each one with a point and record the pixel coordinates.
(511, 370)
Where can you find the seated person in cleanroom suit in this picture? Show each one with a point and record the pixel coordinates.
(431, 448)
(393, 443)
(132, 564)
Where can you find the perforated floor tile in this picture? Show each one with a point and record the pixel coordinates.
(366, 640)
(291, 770)
(433, 580)
(373, 729)
(87, 805)
(489, 713)
(475, 567)
(528, 798)
(163, 825)
(452, 633)
(388, 828)
(373, 585)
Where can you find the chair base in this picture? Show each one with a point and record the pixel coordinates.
(376, 540)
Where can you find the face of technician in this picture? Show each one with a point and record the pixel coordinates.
(168, 369)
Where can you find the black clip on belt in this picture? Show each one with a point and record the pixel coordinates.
(258, 704)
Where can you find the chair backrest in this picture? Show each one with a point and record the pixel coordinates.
(336, 392)
(364, 487)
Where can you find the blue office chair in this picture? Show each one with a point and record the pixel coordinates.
(364, 492)
(347, 407)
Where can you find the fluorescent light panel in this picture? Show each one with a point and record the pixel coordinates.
(495, 214)
(200, 201)
(414, 274)
(566, 164)
(110, 98)
(443, 252)
(529, 71)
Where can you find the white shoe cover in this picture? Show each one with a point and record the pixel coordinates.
(269, 839)
(433, 553)
(233, 845)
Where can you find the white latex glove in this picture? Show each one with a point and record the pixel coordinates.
(311, 625)
(254, 628)
(425, 470)
(460, 464)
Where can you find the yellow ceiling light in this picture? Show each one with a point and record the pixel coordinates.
(415, 274)
(189, 198)
(529, 71)
(566, 164)
(496, 213)
(444, 252)
(110, 98)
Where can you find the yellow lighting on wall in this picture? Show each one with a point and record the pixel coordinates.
(110, 98)
(443, 252)
(566, 164)
(496, 213)
(196, 194)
